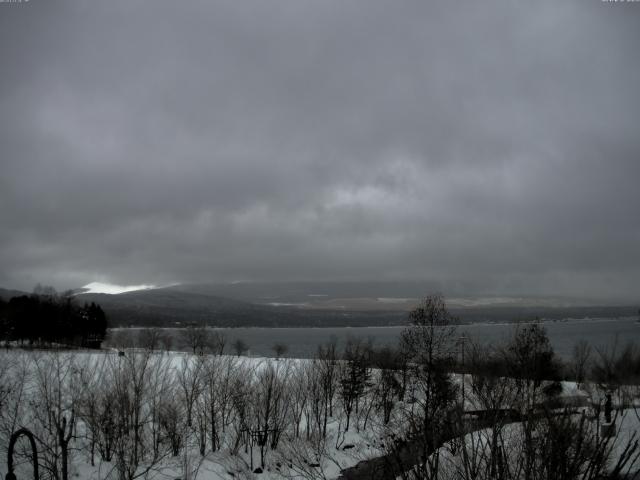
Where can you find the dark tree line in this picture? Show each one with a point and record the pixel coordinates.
(47, 318)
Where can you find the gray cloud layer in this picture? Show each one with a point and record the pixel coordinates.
(493, 146)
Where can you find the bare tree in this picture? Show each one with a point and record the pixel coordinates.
(269, 406)
(428, 343)
(120, 338)
(387, 387)
(131, 379)
(189, 383)
(316, 409)
(218, 380)
(166, 340)
(482, 454)
(149, 338)
(240, 347)
(580, 361)
(54, 406)
(567, 447)
(353, 377)
(310, 458)
(616, 378)
(531, 364)
(217, 342)
(14, 381)
(279, 349)
(194, 338)
(242, 391)
(531, 361)
(97, 408)
(327, 360)
(170, 421)
(161, 384)
(300, 377)
(203, 340)
(90, 402)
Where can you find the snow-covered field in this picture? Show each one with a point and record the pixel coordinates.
(75, 382)
(179, 416)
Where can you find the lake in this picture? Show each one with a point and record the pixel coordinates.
(303, 342)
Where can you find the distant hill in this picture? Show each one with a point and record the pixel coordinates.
(173, 306)
(8, 294)
(318, 304)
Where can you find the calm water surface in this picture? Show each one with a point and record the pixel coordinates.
(303, 342)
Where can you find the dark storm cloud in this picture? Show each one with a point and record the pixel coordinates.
(493, 145)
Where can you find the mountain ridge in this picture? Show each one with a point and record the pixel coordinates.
(293, 305)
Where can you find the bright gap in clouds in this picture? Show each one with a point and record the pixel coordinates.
(98, 287)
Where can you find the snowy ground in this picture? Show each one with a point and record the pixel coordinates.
(294, 457)
(340, 449)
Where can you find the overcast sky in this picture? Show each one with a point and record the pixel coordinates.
(490, 146)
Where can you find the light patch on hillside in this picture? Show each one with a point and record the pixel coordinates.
(99, 287)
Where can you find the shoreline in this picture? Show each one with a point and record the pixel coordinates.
(356, 327)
